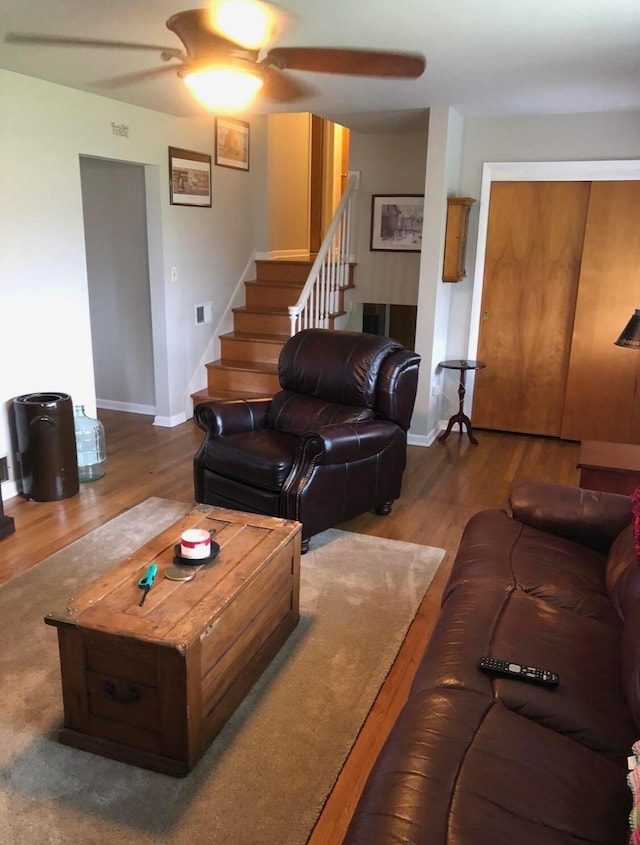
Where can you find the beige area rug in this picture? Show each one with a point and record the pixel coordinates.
(266, 776)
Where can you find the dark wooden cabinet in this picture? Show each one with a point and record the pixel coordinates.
(612, 467)
(455, 245)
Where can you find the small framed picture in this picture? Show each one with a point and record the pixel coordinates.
(232, 143)
(189, 178)
(396, 222)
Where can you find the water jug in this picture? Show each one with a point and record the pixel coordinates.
(90, 445)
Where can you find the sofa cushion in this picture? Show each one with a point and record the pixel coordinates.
(588, 706)
(460, 767)
(296, 414)
(560, 572)
(590, 517)
(484, 618)
(462, 635)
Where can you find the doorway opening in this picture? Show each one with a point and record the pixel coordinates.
(114, 205)
(396, 321)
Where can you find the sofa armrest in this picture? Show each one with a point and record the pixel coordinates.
(347, 442)
(218, 418)
(589, 517)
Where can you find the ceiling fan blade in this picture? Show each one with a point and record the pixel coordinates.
(283, 88)
(348, 62)
(135, 76)
(70, 41)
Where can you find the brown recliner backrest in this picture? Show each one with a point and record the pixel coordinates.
(365, 374)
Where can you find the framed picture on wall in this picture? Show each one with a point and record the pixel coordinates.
(189, 178)
(232, 143)
(396, 222)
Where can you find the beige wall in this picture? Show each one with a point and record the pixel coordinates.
(388, 164)
(289, 147)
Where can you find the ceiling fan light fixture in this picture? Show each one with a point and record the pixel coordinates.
(222, 88)
(247, 22)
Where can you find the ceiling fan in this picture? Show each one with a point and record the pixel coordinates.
(221, 61)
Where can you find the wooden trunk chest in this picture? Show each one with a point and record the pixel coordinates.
(153, 685)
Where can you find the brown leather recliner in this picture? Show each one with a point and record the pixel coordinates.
(329, 446)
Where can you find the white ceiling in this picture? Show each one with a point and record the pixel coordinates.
(483, 56)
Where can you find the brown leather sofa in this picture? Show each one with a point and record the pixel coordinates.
(474, 759)
(329, 446)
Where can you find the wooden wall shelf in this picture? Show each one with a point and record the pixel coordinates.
(455, 244)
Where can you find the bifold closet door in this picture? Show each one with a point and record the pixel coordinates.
(603, 383)
(532, 265)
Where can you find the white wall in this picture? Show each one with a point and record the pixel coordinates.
(45, 342)
(442, 178)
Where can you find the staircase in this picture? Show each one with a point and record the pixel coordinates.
(248, 367)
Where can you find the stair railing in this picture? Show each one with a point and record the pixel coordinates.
(320, 296)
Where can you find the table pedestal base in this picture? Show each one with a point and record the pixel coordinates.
(462, 420)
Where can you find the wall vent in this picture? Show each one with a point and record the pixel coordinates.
(204, 313)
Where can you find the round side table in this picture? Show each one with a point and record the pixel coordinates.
(460, 417)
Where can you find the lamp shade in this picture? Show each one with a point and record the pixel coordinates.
(630, 336)
(228, 87)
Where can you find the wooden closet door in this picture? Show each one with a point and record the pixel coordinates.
(534, 243)
(603, 383)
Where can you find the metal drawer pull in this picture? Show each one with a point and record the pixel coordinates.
(110, 689)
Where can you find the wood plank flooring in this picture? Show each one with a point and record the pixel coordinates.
(443, 486)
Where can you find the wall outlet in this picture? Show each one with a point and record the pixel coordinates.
(435, 390)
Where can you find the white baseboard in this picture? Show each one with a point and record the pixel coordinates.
(9, 490)
(127, 407)
(170, 422)
(425, 439)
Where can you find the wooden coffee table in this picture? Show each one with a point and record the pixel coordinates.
(153, 685)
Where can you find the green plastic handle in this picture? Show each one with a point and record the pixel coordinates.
(147, 579)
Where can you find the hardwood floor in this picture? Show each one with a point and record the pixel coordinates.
(443, 486)
(142, 461)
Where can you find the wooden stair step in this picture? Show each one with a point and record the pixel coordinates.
(278, 270)
(253, 377)
(262, 309)
(251, 347)
(272, 294)
(259, 337)
(265, 281)
(252, 366)
(208, 394)
(264, 320)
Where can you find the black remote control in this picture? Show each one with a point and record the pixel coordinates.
(519, 672)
